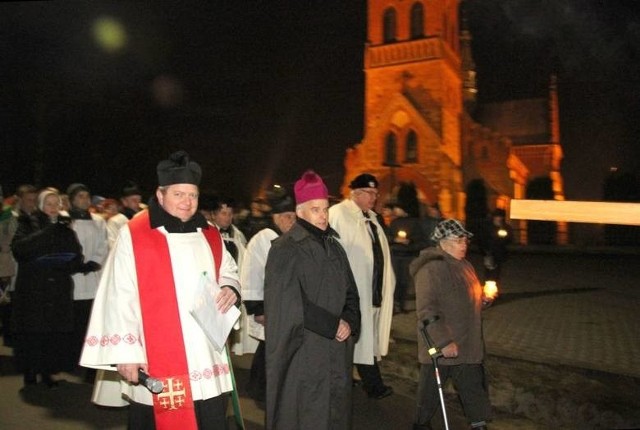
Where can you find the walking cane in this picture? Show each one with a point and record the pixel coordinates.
(435, 353)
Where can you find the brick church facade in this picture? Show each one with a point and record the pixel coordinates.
(419, 95)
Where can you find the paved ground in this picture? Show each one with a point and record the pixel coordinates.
(575, 310)
(561, 319)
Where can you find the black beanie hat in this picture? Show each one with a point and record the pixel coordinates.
(74, 189)
(364, 181)
(280, 200)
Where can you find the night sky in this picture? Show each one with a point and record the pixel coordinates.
(258, 91)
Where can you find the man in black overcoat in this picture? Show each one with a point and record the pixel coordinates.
(312, 319)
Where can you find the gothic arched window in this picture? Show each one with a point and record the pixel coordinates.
(417, 21)
(411, 154)
(390, 147)
(389, 25)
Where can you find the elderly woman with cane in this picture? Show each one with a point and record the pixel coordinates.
(449, 301)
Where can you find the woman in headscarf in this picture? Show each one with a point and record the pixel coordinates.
(48, 252)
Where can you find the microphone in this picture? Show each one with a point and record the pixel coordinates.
(154, 385)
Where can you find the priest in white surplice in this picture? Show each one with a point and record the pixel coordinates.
(283, 212)
(141, 317)
(364, 240)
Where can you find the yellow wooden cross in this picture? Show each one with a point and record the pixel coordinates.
(572, 211)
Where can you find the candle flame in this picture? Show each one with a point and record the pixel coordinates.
(490, 289)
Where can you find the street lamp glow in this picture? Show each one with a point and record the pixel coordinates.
(109, 33)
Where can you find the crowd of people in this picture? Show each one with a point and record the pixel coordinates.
(110, 285)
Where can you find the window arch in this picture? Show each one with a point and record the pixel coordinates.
(417, 21)
(390, 149)
(411, 149)
(389, 25)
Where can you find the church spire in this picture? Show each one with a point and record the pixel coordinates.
(469, 87)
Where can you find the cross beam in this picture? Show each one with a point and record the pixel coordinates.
(571, 211)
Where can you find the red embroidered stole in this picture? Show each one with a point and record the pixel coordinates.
(164, 341)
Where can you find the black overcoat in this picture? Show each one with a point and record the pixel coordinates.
(47, 254)
(309, 287)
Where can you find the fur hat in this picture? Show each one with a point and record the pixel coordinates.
(364, 181)
(310, 187)
(178, 169)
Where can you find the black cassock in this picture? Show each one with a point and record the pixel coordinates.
(308, 288)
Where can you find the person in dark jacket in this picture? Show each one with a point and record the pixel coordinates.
(48, 252)
(406, 240)
(449, 297)
(494, 238)
(312, 312)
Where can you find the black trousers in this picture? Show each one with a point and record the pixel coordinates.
(370, 375)
(404, 281)
(210, 414)
(469, 380)
(81, 315)
(257, 385)
(5, 320)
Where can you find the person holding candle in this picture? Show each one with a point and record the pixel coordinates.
(406, 240)
(450, 298)
(494, 238)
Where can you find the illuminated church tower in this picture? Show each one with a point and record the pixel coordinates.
(423, 123)
(413, 102)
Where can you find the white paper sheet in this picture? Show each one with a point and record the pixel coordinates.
(214, 323)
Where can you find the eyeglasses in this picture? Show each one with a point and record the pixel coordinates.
(372, 193)
(459, 240)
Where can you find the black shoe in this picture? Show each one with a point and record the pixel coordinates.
(29, 378)
(49, 382)
(89, 376)
(381, 393)
(422, 427)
